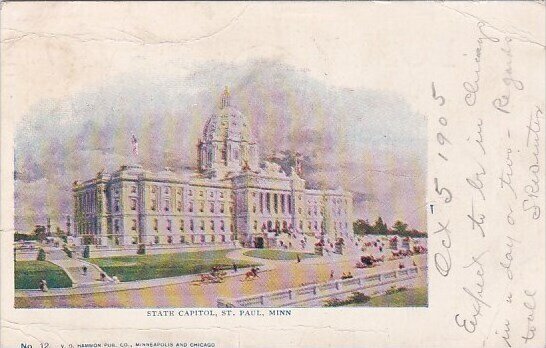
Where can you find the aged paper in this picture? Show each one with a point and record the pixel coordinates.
(272, 174)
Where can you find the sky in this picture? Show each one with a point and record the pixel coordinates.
(367, 141)
(334, 93)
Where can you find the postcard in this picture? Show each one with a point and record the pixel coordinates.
(272, 174)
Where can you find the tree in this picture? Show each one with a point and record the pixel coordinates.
(41, 255)
(362, 227)
(40, 232)
(416, 233)
(380, 227)
(399, 227)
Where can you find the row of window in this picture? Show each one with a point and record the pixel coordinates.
(193, 239)
(86, 202)
(266, 226)
(169, 225)
(221, 207)
(316, 212)
(213, 207)
(284, 200)
(211, 194)
(167, 190)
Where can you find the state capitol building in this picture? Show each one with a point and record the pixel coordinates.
(232, 197)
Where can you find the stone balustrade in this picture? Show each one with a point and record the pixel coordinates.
(288, 297)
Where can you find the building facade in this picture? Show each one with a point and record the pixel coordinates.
(232, 197)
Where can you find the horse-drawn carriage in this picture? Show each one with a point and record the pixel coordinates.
(215, 276)
(369, 261)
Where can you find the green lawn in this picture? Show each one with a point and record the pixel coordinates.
(408, 298)
(142, 267)
(29, 273)
(269, 254)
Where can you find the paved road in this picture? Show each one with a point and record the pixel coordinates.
(285, 275)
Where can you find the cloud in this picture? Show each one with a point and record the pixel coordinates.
(368, 141)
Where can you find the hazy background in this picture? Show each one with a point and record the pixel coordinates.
(367, 141)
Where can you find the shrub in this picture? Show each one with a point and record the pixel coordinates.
(392, 290)
(358, 297)
(86, 252)
(41, 255)
(141, 249)
(333, 302)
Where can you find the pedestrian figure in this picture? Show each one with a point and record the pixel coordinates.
(234, 268)
(298, 258)
(331, 274)
(102, 277)
(84, 268)
(43, 285)
(254, 271)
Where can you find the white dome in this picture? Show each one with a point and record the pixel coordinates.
(227, 123)
(227, 144)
